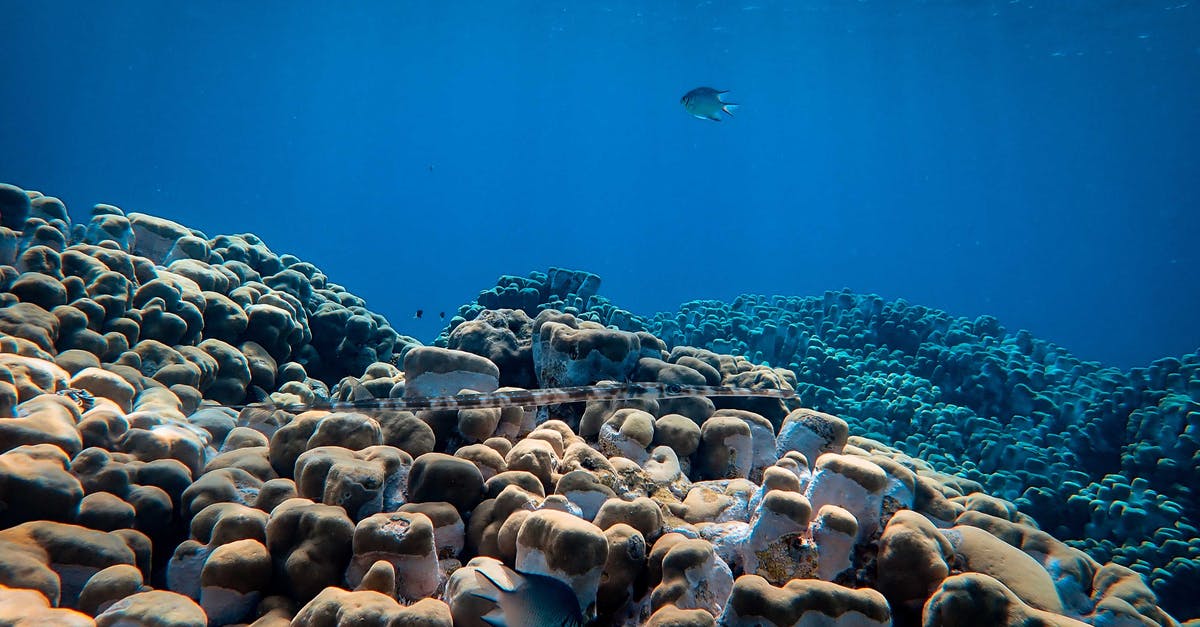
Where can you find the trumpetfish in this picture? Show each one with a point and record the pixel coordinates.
(528, 398)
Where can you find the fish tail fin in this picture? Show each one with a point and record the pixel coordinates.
(730, 107)
(494, 621)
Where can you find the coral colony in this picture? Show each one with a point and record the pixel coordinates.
(199, 431)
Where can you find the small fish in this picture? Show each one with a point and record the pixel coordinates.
(420, 312)
(442, 315)
(706, 104)
(535, 601)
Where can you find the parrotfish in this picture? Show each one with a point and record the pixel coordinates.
(706, 104)
(534, 601)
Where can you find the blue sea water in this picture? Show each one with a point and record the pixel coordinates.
(1032, 160)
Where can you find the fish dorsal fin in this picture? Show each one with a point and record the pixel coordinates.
(479, 595)
(510, 588)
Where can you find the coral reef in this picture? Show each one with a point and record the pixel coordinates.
(1106, 460)
(133, 494)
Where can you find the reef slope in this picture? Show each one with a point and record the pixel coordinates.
(133, 495)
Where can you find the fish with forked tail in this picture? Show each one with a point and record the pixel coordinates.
(531, 601)
(706, 104)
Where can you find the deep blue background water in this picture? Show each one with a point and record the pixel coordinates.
(1036, 161)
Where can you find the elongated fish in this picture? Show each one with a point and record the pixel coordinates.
(528, 398)
(536, 601)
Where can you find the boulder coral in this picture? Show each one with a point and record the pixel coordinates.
(160, 462)
(1021, 416)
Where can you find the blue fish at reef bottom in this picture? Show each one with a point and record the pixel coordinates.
(705, 103)
(535, 601)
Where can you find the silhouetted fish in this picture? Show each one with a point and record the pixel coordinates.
(706, 104)
(420, 312)
(535, 601)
